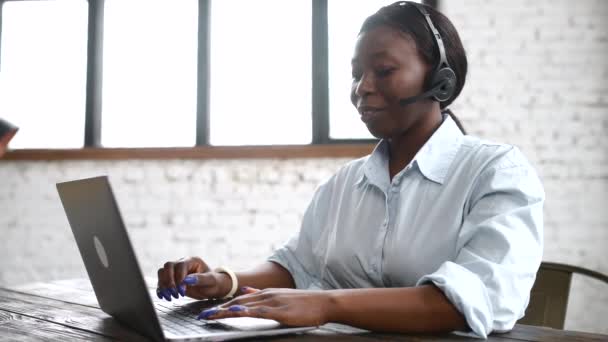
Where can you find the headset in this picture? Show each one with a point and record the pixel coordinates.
(443, 78)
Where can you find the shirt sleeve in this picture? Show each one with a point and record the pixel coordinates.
(298, 254)
(499, 247)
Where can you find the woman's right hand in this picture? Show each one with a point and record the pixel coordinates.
(193, 278)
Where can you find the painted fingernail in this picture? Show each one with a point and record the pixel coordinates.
(174, 292)
(190, 280)
(236, 308)
(182, 290)
(208, 313)
(166, 294)
(247, 289)
(160, 296)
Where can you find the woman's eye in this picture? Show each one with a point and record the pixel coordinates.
(383, 72)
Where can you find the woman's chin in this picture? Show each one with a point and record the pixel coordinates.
(377, 133)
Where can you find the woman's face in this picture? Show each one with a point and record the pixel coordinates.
(387, 67)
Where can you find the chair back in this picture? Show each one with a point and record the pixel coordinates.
(549, 295)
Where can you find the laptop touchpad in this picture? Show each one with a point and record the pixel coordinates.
(249, 323)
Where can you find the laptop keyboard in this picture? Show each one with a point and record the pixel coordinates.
(181, 320)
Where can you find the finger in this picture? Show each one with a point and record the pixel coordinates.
(259, 311)
(245, 299)
(248, 290)
(163, 293)
(162, 290)
(199, 279)
(180, 270)
(217, 312)
(263, 302)
(199, 285)
(160, 276)
(170, 278)
(167, 279)
(196, 265)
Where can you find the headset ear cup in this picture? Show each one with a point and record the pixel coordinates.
(447, 76)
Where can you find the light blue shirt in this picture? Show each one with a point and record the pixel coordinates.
(465, 214)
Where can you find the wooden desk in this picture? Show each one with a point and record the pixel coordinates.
(67, 310)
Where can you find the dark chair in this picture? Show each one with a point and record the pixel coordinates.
(7, 132)
(549, 296)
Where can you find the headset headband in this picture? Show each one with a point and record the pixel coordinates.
(443, 79)
(443, 61)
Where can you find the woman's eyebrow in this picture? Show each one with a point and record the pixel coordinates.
(375, 55)
(380, 54)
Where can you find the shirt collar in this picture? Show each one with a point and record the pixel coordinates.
(375, 167)
(433, 159)
(437, 154)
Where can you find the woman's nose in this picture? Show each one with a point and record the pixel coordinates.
(364, 86)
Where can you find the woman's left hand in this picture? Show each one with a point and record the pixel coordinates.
(287, 306)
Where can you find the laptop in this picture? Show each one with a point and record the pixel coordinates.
(119, 285)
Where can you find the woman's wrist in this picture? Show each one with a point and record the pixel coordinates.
(224, 284)
(234, 282)
(331, 307)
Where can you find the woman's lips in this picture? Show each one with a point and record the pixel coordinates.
(368, 114)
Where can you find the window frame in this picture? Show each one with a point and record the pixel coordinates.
(202, 149)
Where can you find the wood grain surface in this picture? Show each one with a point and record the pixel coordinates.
(68, 310)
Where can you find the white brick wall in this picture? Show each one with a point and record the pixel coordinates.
(231, 212)
(538, 79)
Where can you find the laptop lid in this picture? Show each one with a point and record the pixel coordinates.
(107, 253)
(111, 264)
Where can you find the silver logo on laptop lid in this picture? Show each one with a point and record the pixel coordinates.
(101, 252)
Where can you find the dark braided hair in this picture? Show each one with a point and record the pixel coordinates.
(408, 20)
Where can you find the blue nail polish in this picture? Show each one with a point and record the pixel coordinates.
(207, 313)
(166, 294)
(182, 290)
(158, 294)
(190, 280)
(236, 308)
(244, 288)
(174, 292)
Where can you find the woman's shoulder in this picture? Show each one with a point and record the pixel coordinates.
(485, 156)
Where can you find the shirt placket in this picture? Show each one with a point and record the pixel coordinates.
(392, 201)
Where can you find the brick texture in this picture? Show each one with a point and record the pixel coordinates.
(538, 79)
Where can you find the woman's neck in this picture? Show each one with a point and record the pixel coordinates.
(403, 147)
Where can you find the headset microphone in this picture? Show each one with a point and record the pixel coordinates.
(429, 93)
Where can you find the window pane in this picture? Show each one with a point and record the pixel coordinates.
(149, 73)
(43, 72)
(344, 21)
(260, 72)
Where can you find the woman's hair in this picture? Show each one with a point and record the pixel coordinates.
(408, 20)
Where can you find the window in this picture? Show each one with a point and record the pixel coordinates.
(344, 22)
(255, 84)
(260, 85)
(149, 73)
(43, 72)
